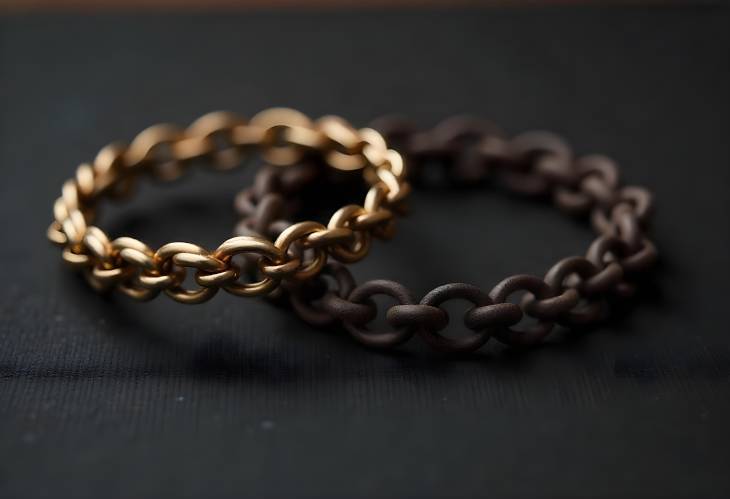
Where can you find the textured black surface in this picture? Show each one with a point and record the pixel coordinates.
(108, 398)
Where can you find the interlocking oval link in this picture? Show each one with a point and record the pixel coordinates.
(143, 282)
(397, 190)
(429, 330)
(98, 245)
(606, 249)
(76, 260)
(531, 284)
(147, 145)
(112, 174)
(84, 179)
(109, 159)
(107, 271)
(361, 332)
(588, 277)
(599, 178)
(625, 224)
(252, 246)
(276, 122)
(362, 239)
(319, 304)
(395, 164)
(524, 152)
(70, 195)
(458, 133)
(60, 211)
(56, 235)
(394, 177)
(292, 235)
(375, 148)
(632, 199)
(135, 252)
(211, 134)
(593, 182)
(184, 255)
(383, 218)
(346, 144)
(74, 226)
(639, 198)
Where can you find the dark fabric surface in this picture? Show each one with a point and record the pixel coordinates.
(102, 397)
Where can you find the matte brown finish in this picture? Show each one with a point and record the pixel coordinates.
(573, 293)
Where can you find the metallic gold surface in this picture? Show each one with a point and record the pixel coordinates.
(283, 137)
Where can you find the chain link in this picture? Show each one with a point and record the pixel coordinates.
(574, 292)
(283, 137)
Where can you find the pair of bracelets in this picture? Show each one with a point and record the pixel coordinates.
(291, 259)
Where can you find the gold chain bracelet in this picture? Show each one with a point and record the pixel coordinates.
(283, 137)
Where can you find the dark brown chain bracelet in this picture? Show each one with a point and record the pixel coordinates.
(574, 292)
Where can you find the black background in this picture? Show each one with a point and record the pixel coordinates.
(102, 397)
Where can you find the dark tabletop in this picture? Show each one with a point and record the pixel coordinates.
(102, 397)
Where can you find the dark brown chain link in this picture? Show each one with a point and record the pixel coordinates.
(574, 292)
